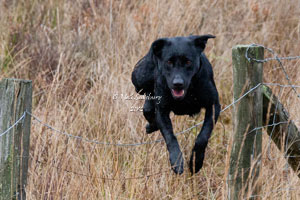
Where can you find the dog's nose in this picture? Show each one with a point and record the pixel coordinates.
(178, 82)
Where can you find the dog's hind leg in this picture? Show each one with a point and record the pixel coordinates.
(149, 113)
(198, 152)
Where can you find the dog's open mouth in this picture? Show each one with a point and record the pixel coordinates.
(178, 93)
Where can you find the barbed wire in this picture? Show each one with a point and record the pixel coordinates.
(281, 85)
(125, 144)
(268, 59)
(134, 144)
(278, 59)
(12, 126)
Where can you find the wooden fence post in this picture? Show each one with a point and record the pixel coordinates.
(245, 158)
(15, 99)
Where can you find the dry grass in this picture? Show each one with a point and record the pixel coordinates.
(79, 53)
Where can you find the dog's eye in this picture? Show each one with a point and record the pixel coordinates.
(169, 62)
(188, 62)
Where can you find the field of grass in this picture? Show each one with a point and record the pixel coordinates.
(79, 54)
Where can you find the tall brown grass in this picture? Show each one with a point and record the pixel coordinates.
(80, 53)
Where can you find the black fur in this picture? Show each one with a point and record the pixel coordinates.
(177, 70)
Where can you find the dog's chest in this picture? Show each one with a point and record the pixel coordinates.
(188, 106)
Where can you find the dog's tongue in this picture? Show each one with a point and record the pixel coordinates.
(178, 93)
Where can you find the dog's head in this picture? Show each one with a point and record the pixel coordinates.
(178, 60)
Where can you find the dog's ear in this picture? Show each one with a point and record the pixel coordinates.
(200, 41)
(157, 46)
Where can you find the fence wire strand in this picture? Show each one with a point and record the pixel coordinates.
(15, 124)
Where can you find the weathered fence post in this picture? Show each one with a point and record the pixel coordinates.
(15, 99)
(245, 158)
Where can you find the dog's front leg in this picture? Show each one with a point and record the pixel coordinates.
(175, 155)
(201, 141)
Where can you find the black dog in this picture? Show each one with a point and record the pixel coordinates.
(177, 70)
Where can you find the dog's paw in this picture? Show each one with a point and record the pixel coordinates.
(150, 128)
(176, 161)
(196, 161)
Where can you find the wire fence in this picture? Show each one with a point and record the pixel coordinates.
(117, 144)
(273, 125)
(93, 141)
(20, 120)
(124, 144)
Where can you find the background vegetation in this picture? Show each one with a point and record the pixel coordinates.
(80, 53)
